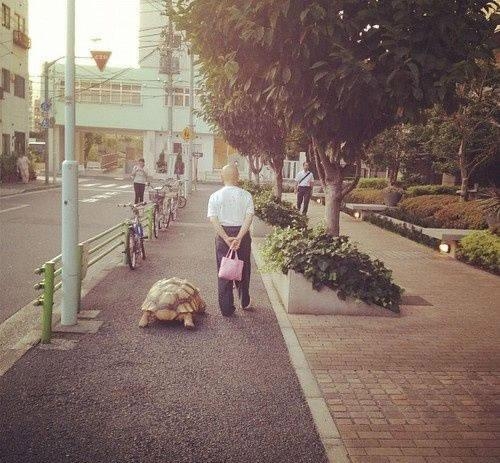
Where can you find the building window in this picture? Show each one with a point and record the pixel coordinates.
(17, 21)
(6, 80)
(181, 97)
(91, 91)
(19, 143)
(19, 86)
(5, 16)
(5, 144)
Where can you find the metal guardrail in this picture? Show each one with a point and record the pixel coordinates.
(91, 251)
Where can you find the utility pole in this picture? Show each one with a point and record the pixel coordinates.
(170, 79)
(69, 245)
(46, 129)
(191, 126)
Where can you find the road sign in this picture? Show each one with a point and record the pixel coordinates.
(45, 106)
(186, 134)
(100, 58)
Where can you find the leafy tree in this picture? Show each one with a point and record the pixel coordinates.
(343, 70)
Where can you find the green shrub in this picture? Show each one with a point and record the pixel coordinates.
(8, 168)
(365, 196)
(421, 190)
(372, 183)
(409, 232)
(332, 262)
(481, 248)
(462, 214)
(277, 212)
(253, 188)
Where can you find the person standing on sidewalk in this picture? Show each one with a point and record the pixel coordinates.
(140, 177)
(23, 167)
(304, 179)
(230, 211)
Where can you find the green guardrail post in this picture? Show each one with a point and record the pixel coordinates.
(125, 237)
(48, 302)
(81, 275)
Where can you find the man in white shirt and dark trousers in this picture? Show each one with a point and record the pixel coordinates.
(231, 210)
(304, 179)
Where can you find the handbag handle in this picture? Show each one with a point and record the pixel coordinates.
(229, 254)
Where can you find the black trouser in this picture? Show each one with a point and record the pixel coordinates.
(139, 192)
(225, 287)
(303, 194)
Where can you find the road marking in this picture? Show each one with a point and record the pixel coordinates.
(124, 186)
(109, 185)
(91, 184)
(14, 208)
(89, 200)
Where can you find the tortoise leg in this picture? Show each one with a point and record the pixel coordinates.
(143, 322)
(165, 315)
(188, 320)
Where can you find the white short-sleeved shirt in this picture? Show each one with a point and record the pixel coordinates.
(230, 204)
(307, 181)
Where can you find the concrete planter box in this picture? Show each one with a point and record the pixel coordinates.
(299, 297)
(259, 228)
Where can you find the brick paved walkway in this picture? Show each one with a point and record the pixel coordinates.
(423, 388)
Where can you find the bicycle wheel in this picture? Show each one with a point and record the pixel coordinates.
(181, 202)
(130, 249)
(141, 250)
(156, 222)
(168, 214)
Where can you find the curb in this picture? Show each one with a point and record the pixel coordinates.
(327, 430)
(29, 190)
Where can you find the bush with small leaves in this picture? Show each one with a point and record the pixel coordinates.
(481, 248)
(332, 262)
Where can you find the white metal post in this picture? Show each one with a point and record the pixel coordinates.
(70, 252)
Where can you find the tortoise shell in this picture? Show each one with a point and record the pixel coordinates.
(172, 299)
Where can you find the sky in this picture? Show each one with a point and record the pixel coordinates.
(114, 22)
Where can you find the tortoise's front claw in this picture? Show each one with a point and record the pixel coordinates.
(144, 321)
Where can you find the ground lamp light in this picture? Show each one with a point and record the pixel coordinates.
(444, 248)
(357, 215)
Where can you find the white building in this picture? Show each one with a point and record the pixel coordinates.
(132, 101)
(14, 80)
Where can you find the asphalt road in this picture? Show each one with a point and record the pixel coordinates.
(224, 393)
(30, 232)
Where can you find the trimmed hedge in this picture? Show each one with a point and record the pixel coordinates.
(481, 248)
(421, 190)
(440, 211)
(253, 188)
(372, 183)
(365, 196)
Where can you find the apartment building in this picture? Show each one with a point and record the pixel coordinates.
(14, 79)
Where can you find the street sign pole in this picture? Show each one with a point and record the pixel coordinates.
(69, 245)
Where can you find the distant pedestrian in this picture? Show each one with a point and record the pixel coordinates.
(23, 167)
(304, 179)
(231, 210)
(140, 177)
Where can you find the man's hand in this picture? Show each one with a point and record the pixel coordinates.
(235, 244)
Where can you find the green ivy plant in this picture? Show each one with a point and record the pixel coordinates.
(333, 262)
(277, 212)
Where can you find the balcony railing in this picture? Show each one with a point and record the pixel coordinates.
(22, 40)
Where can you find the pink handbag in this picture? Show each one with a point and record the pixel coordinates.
(231, 269)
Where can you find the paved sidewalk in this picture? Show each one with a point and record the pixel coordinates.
(422, 388)
(226, 392)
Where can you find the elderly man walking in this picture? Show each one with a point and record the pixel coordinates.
(230, 211)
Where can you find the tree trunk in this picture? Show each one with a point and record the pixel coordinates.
(333, 203)
(464, 184)
(392, 173)
(276, 164)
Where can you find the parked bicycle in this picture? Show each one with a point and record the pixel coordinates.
(134, 238)
(162, 208)
(174, 188)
